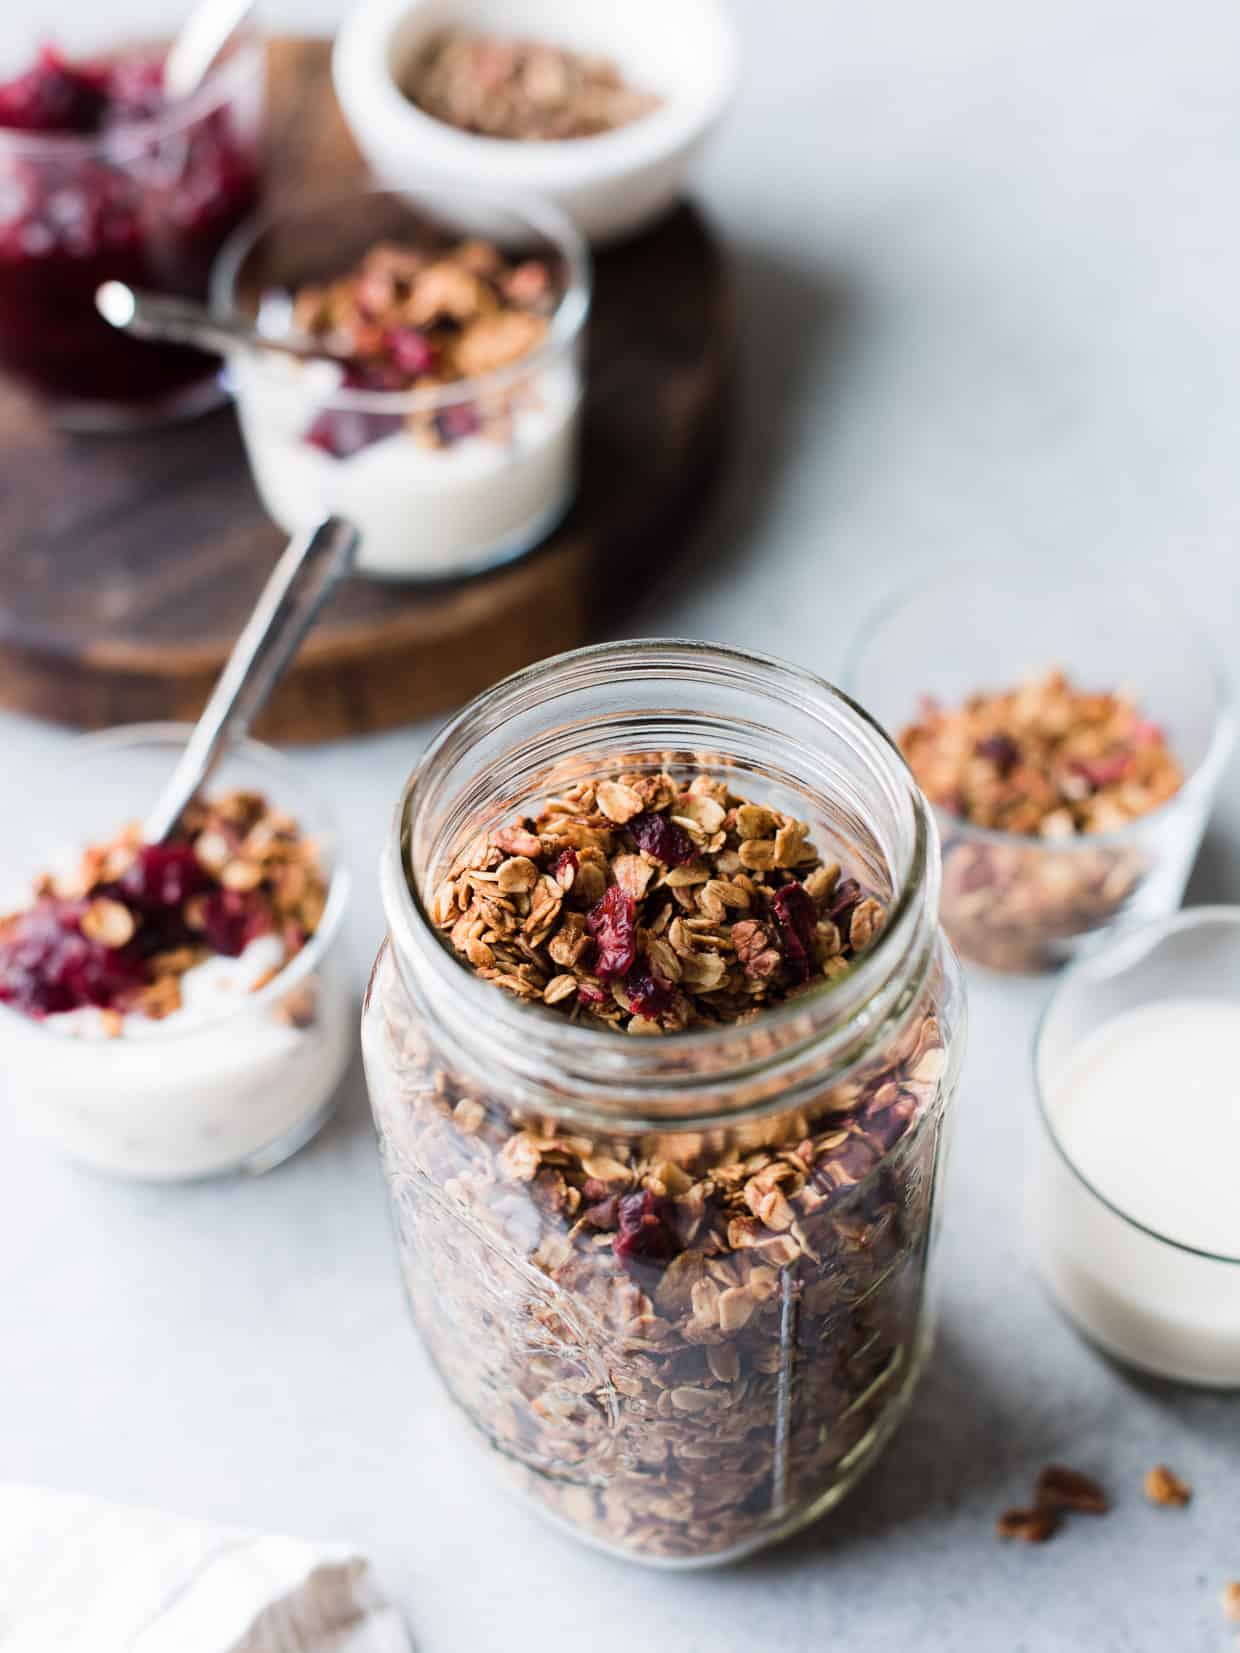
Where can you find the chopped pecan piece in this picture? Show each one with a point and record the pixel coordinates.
(1163, 1486)
(1060, 1488)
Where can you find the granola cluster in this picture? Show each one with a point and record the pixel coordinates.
(681, 1340)
(653, 906)
(420, 318)
(1045, 761)
(1044, 758)
(521, 89)
(118, 930)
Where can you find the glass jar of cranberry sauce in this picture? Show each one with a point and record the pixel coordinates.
(103, 178)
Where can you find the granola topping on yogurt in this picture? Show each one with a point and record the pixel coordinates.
(133, 930)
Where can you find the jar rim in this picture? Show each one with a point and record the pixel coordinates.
(410, 922)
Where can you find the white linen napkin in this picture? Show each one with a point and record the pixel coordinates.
(78, 1575)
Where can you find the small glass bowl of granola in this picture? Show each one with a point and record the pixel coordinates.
(1070, 740)
(447, 429)
(179, 1010)
(663, 1050)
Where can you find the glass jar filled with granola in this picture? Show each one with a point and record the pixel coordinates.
(662, 1048)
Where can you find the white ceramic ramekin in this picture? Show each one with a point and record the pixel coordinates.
(612, 185)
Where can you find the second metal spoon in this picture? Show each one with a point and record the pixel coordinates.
(302, 581)
(182, 321)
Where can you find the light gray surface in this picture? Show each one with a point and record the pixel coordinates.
(989, 261)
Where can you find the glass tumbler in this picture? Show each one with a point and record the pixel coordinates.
(1027, 903)
(680, 1411)
(1146, 1263)
(237, 1089)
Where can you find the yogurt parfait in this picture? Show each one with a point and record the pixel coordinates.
(173, 1010)
(443, 415)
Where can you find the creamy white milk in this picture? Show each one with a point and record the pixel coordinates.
(1146, 1109)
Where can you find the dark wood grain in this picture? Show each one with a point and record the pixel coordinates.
(128, 563)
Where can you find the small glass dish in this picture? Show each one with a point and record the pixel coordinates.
(238, 1089)
(1028, 903)
(1132, 1217)
(504, 472)
(149, 202)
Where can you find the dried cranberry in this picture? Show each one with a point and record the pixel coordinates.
(162, 878)
(1002, 751)
(797, 916)
(645, 1233)
(589, 994)
(456, 422)
(844, 898)
(612, 921)
(1104, 771)
(648, 996)
(604, 1214)
(231, 921)
(47, 966)
(342, 432)
(662, 838)
(410, 350)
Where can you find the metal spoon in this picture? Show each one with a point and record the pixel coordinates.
(300, 584)
(200, 40)
(182, 321)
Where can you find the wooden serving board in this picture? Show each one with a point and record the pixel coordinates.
(128, 563)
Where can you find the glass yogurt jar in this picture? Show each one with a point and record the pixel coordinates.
(679, 1283)
(448, 431)
(181, 1012)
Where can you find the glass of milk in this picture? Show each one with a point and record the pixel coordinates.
(1134, 1190)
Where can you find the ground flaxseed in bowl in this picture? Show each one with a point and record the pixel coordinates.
(530, 91)
(661, 1086)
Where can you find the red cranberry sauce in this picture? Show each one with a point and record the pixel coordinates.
(48, 966)
(148, 209)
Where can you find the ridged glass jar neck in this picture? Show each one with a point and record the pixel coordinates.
(777, 736)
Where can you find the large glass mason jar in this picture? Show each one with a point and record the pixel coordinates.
(687, 1401)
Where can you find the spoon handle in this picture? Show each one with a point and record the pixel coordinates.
(301, 582)
(202, 38)
(180, 321)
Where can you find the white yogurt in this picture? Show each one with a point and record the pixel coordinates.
(421, 511)
(1146, 1108)
(220, 1084)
